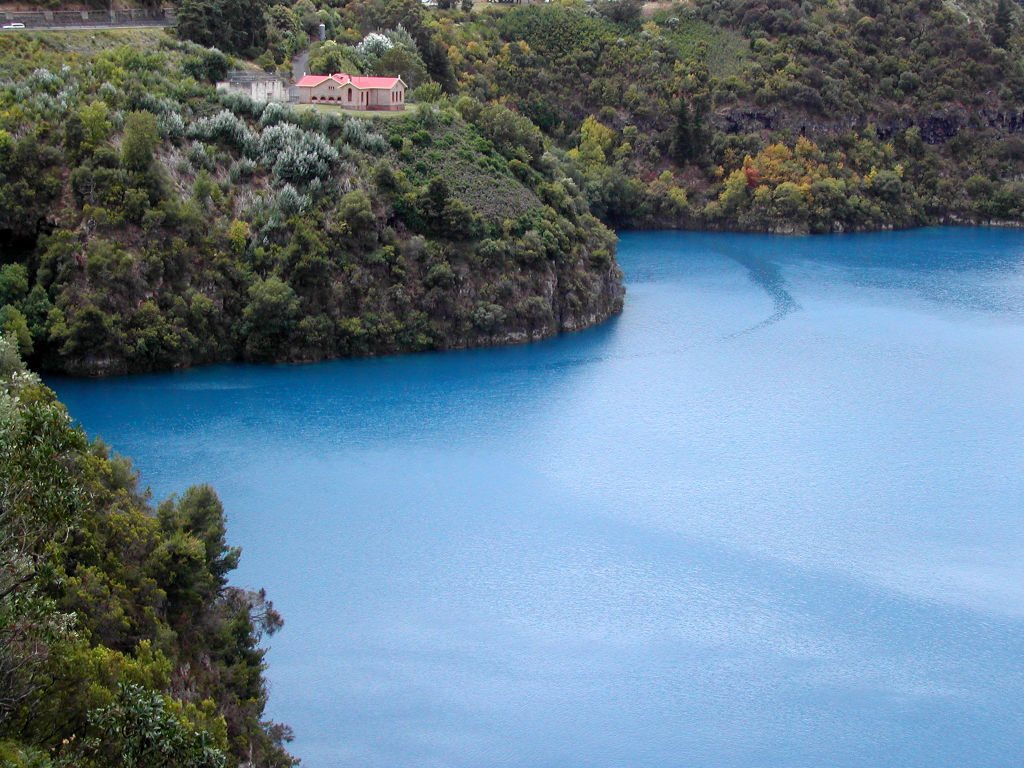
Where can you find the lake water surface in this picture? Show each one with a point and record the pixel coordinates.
(773, 515)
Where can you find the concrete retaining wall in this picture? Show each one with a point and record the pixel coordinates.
(143, 17)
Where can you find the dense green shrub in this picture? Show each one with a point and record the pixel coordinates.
(120, 640)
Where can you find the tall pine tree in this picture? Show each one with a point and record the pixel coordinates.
(1003, 23)
(686, 137)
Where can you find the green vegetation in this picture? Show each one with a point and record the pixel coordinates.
(235, 26)
(748, 114)
(148, 222)
(121, 643)
(835, 115)
(151, 223)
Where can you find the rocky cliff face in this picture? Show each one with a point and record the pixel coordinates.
(571, 311)
(562, 298)
(604, 298)
(1006, 121)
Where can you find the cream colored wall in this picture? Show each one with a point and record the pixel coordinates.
(375, 97)
(379, 98)
(324, 90)
(382, 98)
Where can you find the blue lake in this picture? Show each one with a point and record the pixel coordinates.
(772, 515)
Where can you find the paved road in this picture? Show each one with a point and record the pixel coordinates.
(85, 27)
(300, 65)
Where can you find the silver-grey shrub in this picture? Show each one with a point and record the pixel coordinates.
(241, 104)
(171, 125)
(356, 132)
(296, 156)
(200, 158)
(242, 169)
(226, 127)
(276, 112)
(43, 79)
(290, 202)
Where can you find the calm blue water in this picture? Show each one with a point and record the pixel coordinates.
(773, 515)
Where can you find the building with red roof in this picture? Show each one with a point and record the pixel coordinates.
(353, 91)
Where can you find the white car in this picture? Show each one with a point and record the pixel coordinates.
(14, 25)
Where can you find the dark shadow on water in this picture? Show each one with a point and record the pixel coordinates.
(966, 268)
(767, 276)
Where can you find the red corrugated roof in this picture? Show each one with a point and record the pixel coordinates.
(341, 78)
(374, 82)
(311, 80)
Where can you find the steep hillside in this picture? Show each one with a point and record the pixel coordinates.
(148, 222)
(120, 641)
(738, 114)
(750, 114)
